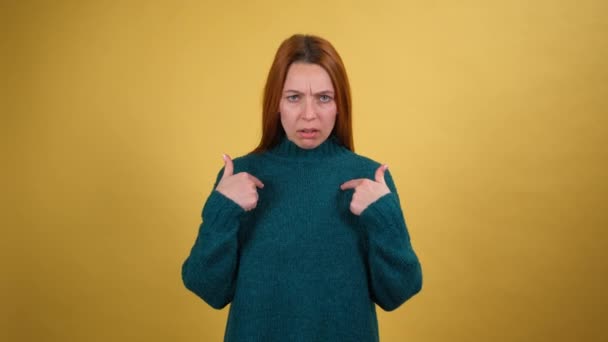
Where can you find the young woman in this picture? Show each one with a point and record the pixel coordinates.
(303, 236)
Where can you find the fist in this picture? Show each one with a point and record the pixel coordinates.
(367, 191)
(241, 188)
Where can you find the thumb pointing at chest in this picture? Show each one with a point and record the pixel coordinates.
(380, 173)
(228, 166)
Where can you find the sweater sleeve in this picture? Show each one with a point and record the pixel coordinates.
(395, 270)
(210, 269)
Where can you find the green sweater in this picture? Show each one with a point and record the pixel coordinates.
(301, 266)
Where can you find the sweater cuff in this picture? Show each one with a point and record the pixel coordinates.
(385, 211)
(220, 209)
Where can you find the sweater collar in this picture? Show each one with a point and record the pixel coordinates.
(329, 148)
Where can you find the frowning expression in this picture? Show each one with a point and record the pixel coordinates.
(307, 107)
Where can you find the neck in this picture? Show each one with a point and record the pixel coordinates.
(329, 148)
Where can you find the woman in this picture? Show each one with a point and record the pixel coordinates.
(302, 235)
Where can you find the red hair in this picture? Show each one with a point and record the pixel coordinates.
(305, 49)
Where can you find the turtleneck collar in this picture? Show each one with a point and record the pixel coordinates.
(329, 148)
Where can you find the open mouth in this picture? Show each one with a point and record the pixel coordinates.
(308, 133)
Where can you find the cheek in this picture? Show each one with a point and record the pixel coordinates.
(282, 111)
(284, 121)
(328, 119)
(281, 107)
(329, 112)
(285, 116)
(288, 111)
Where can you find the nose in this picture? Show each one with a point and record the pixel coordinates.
(309, 110)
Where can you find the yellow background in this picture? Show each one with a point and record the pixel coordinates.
(492, 116)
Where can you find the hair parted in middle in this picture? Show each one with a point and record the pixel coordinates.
(305, 49)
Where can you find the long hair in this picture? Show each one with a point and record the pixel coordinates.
(305, 49)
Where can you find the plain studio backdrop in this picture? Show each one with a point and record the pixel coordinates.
(492, 116)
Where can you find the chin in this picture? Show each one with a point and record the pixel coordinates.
(308, 144)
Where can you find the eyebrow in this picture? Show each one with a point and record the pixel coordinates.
(322, 92)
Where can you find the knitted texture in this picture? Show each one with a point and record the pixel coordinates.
(301, 266)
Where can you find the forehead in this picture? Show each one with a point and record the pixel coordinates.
(306, 76)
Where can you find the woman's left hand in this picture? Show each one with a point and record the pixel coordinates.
(367, 191)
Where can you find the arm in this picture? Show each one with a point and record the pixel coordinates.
(395, 270)
(210, 269)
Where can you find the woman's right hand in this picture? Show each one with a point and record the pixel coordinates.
(241, 188)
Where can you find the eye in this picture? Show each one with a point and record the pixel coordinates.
(325, 98)
(293, 98)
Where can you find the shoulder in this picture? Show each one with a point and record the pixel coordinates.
(241, 164)
(365, 167)
(361, 163)
(250, 162)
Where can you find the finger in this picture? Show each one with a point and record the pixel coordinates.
(228, 166)
(351, 184)
(380, 173)
(256, 181)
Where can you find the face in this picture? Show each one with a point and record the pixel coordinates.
(308, 108)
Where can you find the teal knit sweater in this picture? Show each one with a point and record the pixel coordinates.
(301, 266)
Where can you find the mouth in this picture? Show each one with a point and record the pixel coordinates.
(308, 133)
